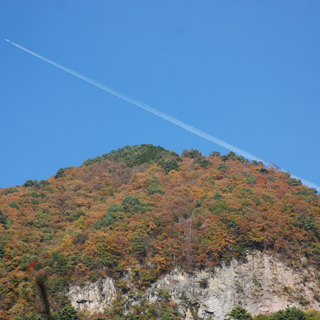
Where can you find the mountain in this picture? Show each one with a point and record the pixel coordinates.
(126, 220)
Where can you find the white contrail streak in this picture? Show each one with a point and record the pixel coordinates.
(161, 114)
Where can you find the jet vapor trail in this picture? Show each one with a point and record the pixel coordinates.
(161, 114)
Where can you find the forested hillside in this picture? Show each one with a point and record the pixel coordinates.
(150, 210)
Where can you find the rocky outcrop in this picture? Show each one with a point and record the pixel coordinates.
(93, 297)
(262, 284)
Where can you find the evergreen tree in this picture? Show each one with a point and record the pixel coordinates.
(138, 245)
(68, 313)
(3, 219)
(289, 314)
(239, 313)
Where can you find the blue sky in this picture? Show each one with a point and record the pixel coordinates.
(246, 72)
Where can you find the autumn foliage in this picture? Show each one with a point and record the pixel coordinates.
(149, 210)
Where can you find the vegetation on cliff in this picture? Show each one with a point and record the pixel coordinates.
(150, 210)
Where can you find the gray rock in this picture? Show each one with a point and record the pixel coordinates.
(261, 285)
(93, 297)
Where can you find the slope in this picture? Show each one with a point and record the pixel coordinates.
(149, 210)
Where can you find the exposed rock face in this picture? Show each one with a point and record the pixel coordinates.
(261, 285)
(94, 297)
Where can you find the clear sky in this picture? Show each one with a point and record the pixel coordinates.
(246, 72)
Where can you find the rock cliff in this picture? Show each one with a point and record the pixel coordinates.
(261, 284)
(93, 297)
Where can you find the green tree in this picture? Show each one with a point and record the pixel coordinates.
(306, 223)
(217, 196)
(60, 172)
(135, 155)
(168, 165)
(68, 313)
(232, 224)
(222, 167)
(3, 219)
(154, 189)
(32, 317)
(232, 156)
(214, 154)
(58, 263)
(132, 204)
(307, 192)
(138, 245)
(294, 182)
(288, 314)
(202, 161)
(198, 203)
(1, 250)
(251, 178)
(30, 183)
(239, 313)
(263, 170)
(13, 205)
(191, 153)
(261, 317)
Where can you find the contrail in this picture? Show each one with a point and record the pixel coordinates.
(162, 115)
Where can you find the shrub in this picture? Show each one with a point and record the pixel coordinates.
(256, 281)
(203, 283)
(239, 287)
(163, 294)
(303, 301)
